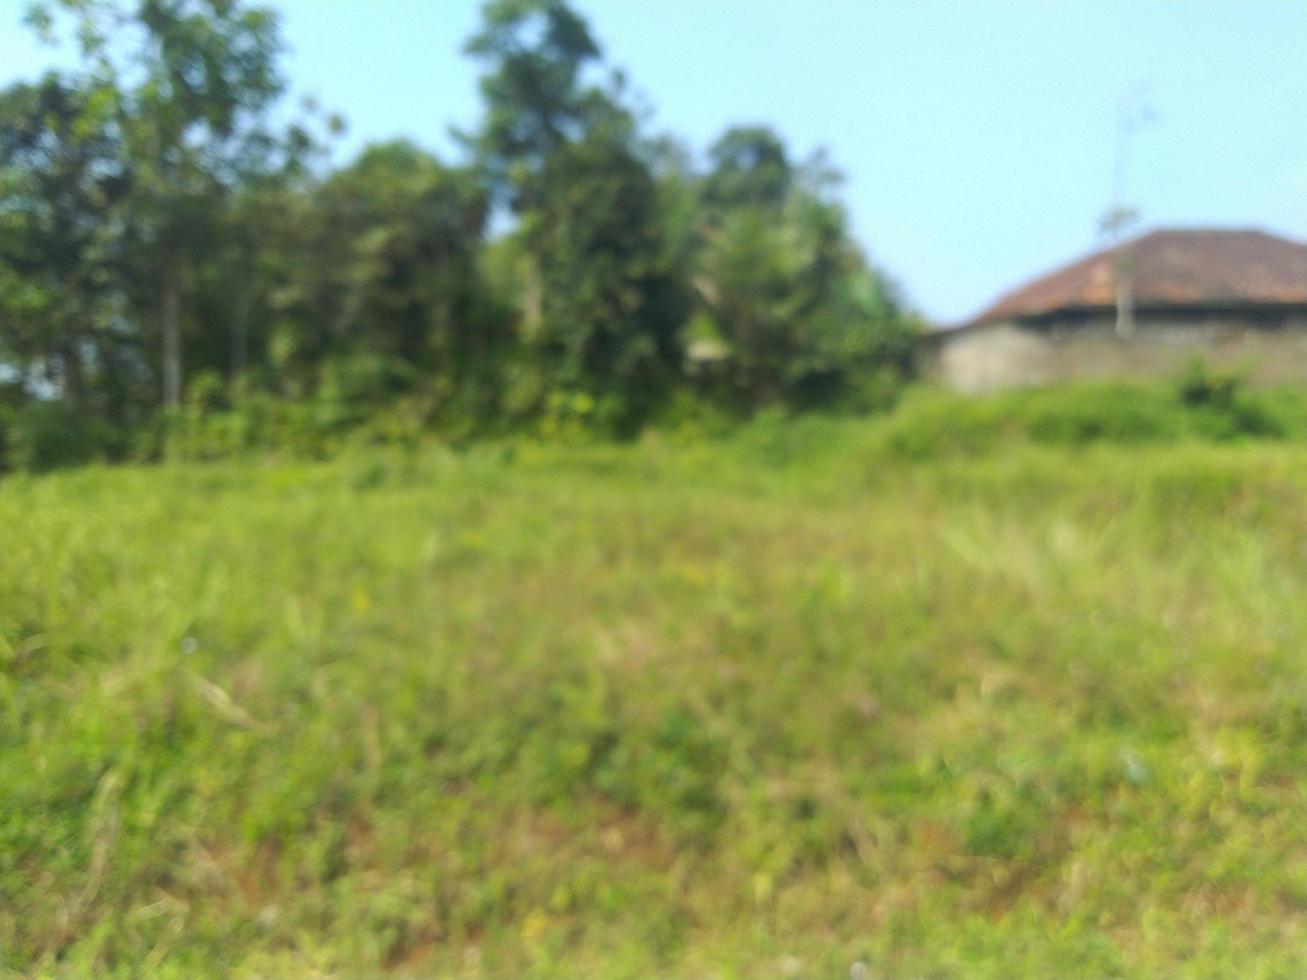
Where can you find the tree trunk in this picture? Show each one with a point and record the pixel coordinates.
(70, 377)
(534, 303)
(240, 333)
(171, 333)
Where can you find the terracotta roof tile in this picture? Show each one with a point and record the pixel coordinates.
(1172, 268)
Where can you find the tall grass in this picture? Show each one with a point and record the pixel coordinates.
(780, 704)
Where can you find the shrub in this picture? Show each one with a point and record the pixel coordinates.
(46, 434)
(1222, 408)
(1201, 405)
(351, 389)
(1112, 413)
(686, 416)
(932, 423)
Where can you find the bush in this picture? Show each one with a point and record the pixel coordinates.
(1223, 409)
(46, 434)
(1201, 405)
(354, 395)
(687, 417)
(1110, 413)
(932, 423)
(351, 389)
(257, 422)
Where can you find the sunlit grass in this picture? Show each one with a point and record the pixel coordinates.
(773, 706)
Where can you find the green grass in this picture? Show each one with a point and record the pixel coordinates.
(773, 706)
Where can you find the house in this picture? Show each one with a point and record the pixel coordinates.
(1237, 299)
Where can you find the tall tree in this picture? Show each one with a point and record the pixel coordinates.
(751, 168)
(196, 78)
(62, 183)
(612, 308)
(392, 268)
(536, 54)
(602, 304)
(782, 283)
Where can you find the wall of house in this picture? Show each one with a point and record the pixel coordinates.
(1269, 349)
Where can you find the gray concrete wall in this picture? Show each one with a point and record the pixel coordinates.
(1005, 355)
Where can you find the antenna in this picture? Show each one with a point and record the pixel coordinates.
(1133, 113)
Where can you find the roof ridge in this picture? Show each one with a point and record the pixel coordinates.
(1175, 266)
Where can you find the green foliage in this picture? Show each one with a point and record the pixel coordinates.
(163, 229)
(535, 53)
(46, 434)
(803, 317)
(358, 397)
(777, 703)
(601, 300)
(751, 169)
(63, 181)
(687, 416)
(1226, 409)
(1200, 407)
(391, 266)
(611, 310)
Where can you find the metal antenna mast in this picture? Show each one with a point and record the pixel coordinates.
(1133, 113)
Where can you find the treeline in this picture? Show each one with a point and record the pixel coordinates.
(181, 269)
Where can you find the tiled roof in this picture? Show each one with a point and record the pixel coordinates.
(1171, 268)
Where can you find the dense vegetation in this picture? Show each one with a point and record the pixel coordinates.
(170, 246)
(820, 698)
(1201, 405)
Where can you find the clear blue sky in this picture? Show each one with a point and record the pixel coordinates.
(977, 137)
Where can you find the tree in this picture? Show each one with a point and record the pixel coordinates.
(62, 184)
(155, 227)
(612, 308)
(601, 302)
(195, 79)
(397, 247)
(535, 53)
(751, 168)
(782, 283)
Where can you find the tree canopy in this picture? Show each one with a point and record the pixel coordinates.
(175, 246)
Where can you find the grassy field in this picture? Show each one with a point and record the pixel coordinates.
(794, 704)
